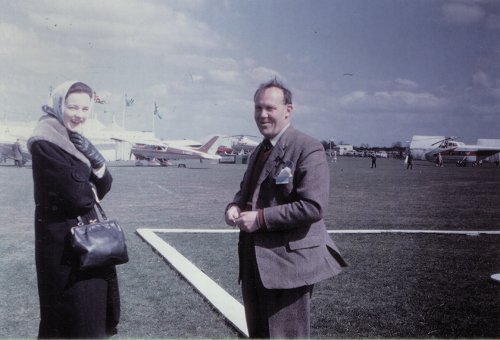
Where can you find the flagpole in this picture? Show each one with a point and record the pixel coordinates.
(123, 112)
(93, 112)
(153, 125)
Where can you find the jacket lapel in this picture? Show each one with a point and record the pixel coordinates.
(272, 162)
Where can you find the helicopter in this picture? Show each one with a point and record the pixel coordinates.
(453, 151)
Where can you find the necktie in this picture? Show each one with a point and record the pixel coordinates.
(266, 144)
(264, 153)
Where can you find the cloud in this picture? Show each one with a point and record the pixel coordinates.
(463, 13)
(225, 76)
(493, 21)
(11, 34)
(199, 61)
(496, 93)
(484, 89)
(392, 101)
(406, 83)
(481, 79)
(141, 26)
(466, 12)
(24, 47)
(262, 74)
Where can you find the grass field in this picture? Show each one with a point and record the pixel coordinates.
(397, 285)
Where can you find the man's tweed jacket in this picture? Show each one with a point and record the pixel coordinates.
(294, 249)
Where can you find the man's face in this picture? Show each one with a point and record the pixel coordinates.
(76, 110)
(271, 114)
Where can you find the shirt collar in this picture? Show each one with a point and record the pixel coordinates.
(277, 137)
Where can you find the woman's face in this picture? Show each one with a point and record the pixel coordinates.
(76, 111)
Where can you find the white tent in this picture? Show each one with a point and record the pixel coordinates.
(490, 142)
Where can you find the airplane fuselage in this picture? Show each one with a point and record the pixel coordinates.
(167, 152)
(451, 156)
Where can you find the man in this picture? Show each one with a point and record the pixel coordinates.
(409, 165)
(439, 160)
(18, 156)
(284, 248)
(374, 160)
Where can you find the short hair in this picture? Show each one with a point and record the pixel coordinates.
(287, 94)
(79, 87)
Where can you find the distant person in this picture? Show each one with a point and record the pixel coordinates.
(67, 169)
(18, 156)
(497, 162)
(409, 164)
(374, 160)
(284, 248)
(439, 160)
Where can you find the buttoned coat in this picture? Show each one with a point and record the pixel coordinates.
(73, 303)
(294, 249)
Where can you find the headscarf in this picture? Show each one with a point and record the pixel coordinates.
(53, 131)
(55, 105)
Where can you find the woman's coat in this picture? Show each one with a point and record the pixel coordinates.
(73, 303)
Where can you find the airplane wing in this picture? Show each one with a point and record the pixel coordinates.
(140, 141)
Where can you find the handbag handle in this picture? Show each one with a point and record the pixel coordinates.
(98, 209)
(101, 210)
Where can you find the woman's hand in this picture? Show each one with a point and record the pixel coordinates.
(83, 145)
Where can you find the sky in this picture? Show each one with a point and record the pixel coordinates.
(361, 72)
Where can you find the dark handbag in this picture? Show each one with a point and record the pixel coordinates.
(99, 243)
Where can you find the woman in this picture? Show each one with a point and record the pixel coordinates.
(67, 170)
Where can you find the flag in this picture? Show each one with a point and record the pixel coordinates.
(98, 99)
(129, 102)
(156, 112)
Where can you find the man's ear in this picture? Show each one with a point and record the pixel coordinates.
(289, 109)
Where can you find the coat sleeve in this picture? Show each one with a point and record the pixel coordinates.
(64, 180)
(309, 195)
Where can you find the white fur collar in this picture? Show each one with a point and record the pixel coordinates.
(49, 129)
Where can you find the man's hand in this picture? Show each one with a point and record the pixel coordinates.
(248, 221)
(83, 145)
(232, 214)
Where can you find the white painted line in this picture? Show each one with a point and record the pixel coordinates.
(415, 231)
(495, 278)
(194, 231)
(227, 305)
(342, 231)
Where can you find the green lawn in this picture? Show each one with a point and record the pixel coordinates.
(397, 285)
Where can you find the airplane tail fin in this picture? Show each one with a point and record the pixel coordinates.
(208, 146)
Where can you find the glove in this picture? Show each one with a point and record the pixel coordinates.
(83, 145)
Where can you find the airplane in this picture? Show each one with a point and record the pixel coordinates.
(160, 151)
(453, 151)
